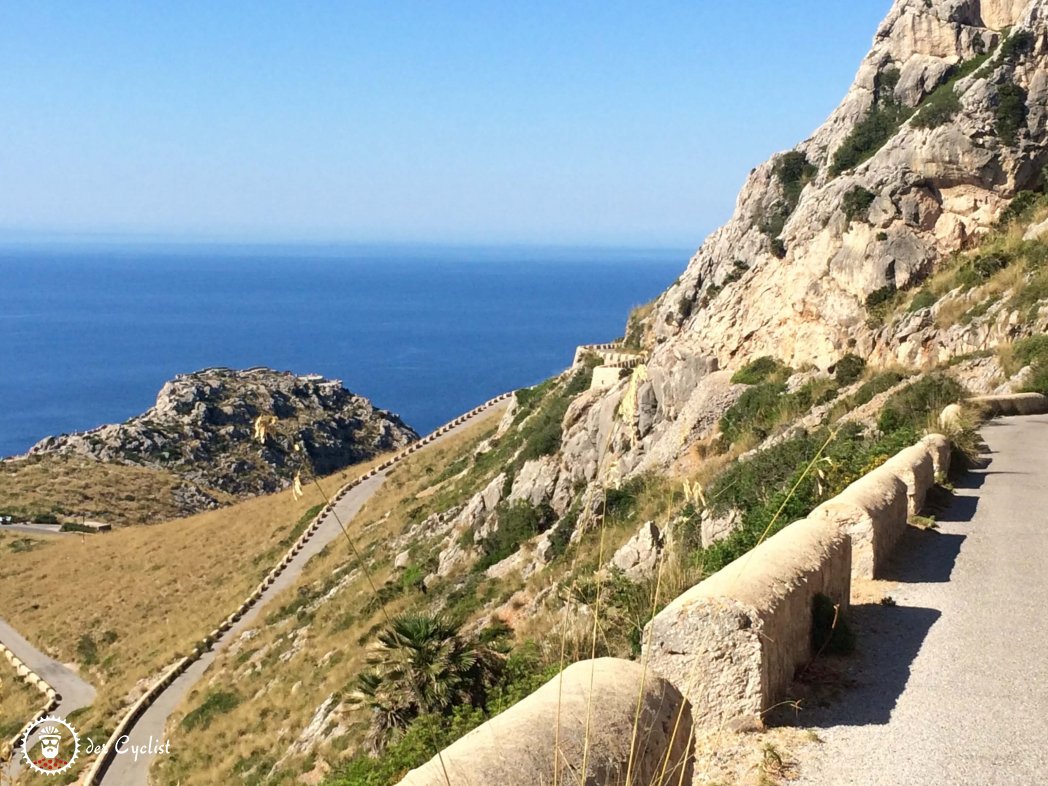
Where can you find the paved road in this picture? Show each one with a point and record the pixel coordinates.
(125, 771)
(953, 681)
(74, 691)
(33, 529)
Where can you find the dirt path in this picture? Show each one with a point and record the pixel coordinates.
(952, 682)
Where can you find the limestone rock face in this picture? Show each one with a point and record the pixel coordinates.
(932, 191)
(638, 557)
(202, 428)
(791, 274)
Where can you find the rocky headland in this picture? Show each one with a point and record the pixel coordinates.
(203, 429)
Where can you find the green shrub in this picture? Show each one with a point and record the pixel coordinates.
(938, 109)
(517, 522)
(87, 650)
(980, 269)
(869, 135)
(216, 702)
(774, 220)
(880, 297)
(763, 369)
(848, 369)
(925, 298)
(781, 484)
(1019, 208)
(1016, 45)
(1010, 114)
(944, 103)
(794, 172)
(886, 380)
(45, 518)
(856, 203)
(912, 407)
(757, 412)
(1033, 351)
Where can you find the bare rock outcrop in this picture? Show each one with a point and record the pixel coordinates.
(202, 429)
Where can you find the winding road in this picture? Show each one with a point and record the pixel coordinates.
(73, 691)
(952, 682)
(125, 770)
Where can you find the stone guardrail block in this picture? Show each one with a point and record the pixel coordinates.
(873, 511)
(595, 703)
(732, 643)
(941, 452)
(34, 680)
(1013, 404)
(914, 467)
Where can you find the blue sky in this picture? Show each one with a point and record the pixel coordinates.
(451, 122)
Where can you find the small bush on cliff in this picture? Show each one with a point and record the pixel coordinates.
(1010, 114)
(912, 407)
(763, 369)
(755, 414)
(856, 203)
(1017, 45)
(869, 135)
(517, 522)
(216, 702)
(848, 369)
(1033, 352)
(794, 171)
(784, 482)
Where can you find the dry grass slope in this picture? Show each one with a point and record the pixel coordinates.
(75, 488)
(120, 606)
(18, 701)
(262, 692)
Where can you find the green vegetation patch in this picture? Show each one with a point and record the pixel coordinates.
(216, 702)
(1031, 351)
(1010, 112)
(869, 135)
(763, 369)
(856, 203)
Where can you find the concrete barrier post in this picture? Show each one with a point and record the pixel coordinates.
(596, 705)
(732, 643)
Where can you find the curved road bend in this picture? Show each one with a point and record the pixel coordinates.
(74, 692)
(124, 770)
(952, 683)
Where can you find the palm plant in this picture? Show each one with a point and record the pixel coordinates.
(422, 664)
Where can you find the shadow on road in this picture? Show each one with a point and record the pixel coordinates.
(924, 556)
(862, 689)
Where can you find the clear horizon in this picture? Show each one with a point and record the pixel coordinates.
(465, 124)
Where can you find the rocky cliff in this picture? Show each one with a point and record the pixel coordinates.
(202, 428)
(944, 125)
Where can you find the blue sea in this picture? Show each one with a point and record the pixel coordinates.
(89, 334)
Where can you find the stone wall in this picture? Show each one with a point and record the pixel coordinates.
(733, 642)
(51, 700)
(606, 722)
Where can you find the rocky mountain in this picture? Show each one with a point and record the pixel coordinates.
(941, 137)
(892, 263)
(203, 429)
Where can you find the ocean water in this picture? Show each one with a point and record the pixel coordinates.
(88, 335)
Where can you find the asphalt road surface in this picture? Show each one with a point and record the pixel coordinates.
(952, 682)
